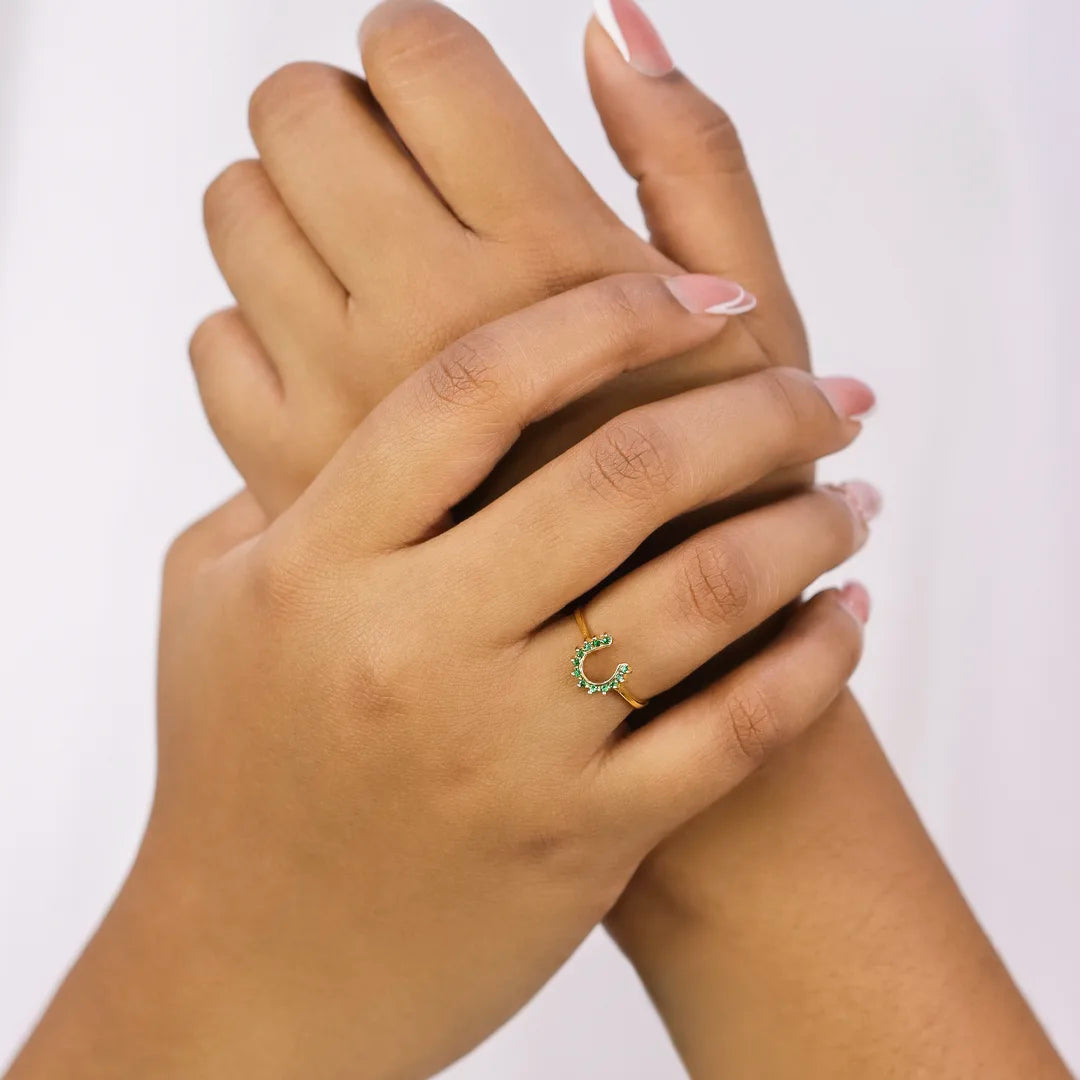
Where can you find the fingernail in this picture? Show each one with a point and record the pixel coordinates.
(703, 294)
(851, 399)
(855, 600)
(634, 36)
(863, 498)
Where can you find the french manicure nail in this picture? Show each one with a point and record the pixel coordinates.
(855, 600)
(634, 36)
(863, 498)
(851, 399)
(703, 294)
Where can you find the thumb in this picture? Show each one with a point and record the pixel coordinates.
(699, 198)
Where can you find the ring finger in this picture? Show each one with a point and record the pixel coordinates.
(674, 614)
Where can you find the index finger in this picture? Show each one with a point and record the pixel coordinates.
(434, 439)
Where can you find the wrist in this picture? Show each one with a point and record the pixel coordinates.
(669, 904)
(159, 991)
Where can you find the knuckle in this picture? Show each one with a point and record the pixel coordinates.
(398, 39)
(618, 311)
(207, 340)
(787, 400)
(229, 195)
(632, 458)
(284, 578)
(715, 133)
(186, 558)
(380, 675)
(619, 301)
(752, 723)
(284, 98)
(177, 566)
(470, 373)
(717, 584)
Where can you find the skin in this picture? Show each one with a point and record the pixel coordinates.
(342, 254)
(355, 865)
(810, 902)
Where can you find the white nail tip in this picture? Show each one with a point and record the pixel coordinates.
(606, 17)
(742, 303)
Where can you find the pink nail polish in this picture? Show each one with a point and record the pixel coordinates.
(635, 37)
(856, 601)
(851, 398)
(863, 498)
(703, 294)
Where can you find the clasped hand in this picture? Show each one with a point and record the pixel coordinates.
(377, 770)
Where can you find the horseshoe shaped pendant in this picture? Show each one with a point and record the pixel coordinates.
(577, 668)
(594, 643)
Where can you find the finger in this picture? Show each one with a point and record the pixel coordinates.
(289, 296)
(696, 189)
(241, 396)
(598, 502)
(466, 121)
(689, 757)
(679, 611)
(344, 179)
(439, 434)
(233, 523)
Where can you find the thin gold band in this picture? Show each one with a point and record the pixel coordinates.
(619, 688)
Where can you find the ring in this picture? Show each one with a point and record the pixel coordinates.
(594, 643)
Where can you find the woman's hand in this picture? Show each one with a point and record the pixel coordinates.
(338, 265)
(388, 808)
(386, 218)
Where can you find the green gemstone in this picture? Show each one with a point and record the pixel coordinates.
(617, 678)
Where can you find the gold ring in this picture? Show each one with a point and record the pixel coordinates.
(593, 643)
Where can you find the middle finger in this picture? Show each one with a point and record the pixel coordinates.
(578, 519)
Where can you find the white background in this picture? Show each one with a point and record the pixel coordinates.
(921, 162)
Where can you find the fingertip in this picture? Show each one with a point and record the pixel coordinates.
(851, 398)
(389, 11)
(634, 37)
(864, 500)
(706, 294)
(854, 598)
(605, 65)
(602, 33)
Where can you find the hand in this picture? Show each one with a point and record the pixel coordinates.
(855, 859)
(351, 261)
(397, 812)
